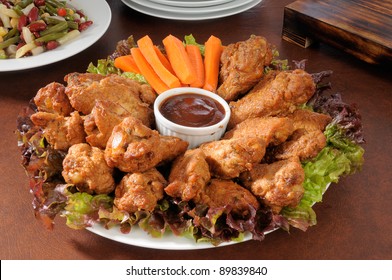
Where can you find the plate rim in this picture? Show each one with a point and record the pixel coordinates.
(235, 4)
(190, 4)
(172, 242)
(189, 17)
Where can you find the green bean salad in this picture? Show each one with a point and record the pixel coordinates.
(31, 27)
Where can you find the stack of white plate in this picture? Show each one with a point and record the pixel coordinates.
(191, 9)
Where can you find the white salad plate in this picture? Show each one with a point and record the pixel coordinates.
(191, 13)
(190, 3)
(101, 16)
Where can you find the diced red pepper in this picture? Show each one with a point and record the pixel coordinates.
(62, 12)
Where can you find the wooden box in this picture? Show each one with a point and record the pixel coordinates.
(362, 28)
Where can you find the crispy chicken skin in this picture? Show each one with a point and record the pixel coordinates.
(277, 94)
(242, 66)
(272, 130)
(278, 184)
(308, 120)
(60, 132)
(303, 144)
(100, 123)
(189, 174)
(86, 168)
(134, 147)
(220, 193)
(139, 191)
(52, 99)
(83, 90)
(228, 158)
(308, 139)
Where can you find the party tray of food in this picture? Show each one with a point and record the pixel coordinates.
(97, 155)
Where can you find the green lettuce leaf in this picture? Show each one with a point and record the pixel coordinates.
(83, 209)
(340, 157)
(106, 67)
(134, 76)
(103, 67)
(190, 40)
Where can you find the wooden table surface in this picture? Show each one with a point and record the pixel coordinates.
(354, 219)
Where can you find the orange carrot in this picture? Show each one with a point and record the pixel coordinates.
(197, 63)
(164, 60)
(126, 63)
(212, 54)
(148, 72)
(146, 47)
(179, 59)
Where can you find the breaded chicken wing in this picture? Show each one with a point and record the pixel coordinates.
(86, 168)
(134, 147)
(278, 184)
(220, 193)
(189, 175)
(272, 130)
(277, 94)
(60, 132)
(52, 99)
(309, 120)
(140, 191)
(242, 66)
(100, 123)
(308, 139)
(303, 144)
(84, 90)
(228, 158)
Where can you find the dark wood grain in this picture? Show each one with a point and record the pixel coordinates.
(353, 219)
(359, 27)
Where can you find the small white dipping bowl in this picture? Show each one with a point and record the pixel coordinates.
(194, 135)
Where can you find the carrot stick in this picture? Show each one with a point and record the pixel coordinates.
(148, 72)
(197, 63)
(126, 63)
(213, 51)
(179, 59)
(164, 60)
(146, 47)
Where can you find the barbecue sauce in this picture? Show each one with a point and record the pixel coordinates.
(193, 110)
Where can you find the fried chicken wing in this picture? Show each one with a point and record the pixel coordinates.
(189, 175)
(134, 147)
(278, 184)
(60, 132)
(228, 158)
(242, 66)
(86, 168)
(140, 191)
(277, 94)
(52, 99)
(83, 90)
(220, 193)
(308, 120)
(303, 144)
(100, 123)
(272, 130)
(308, 139)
